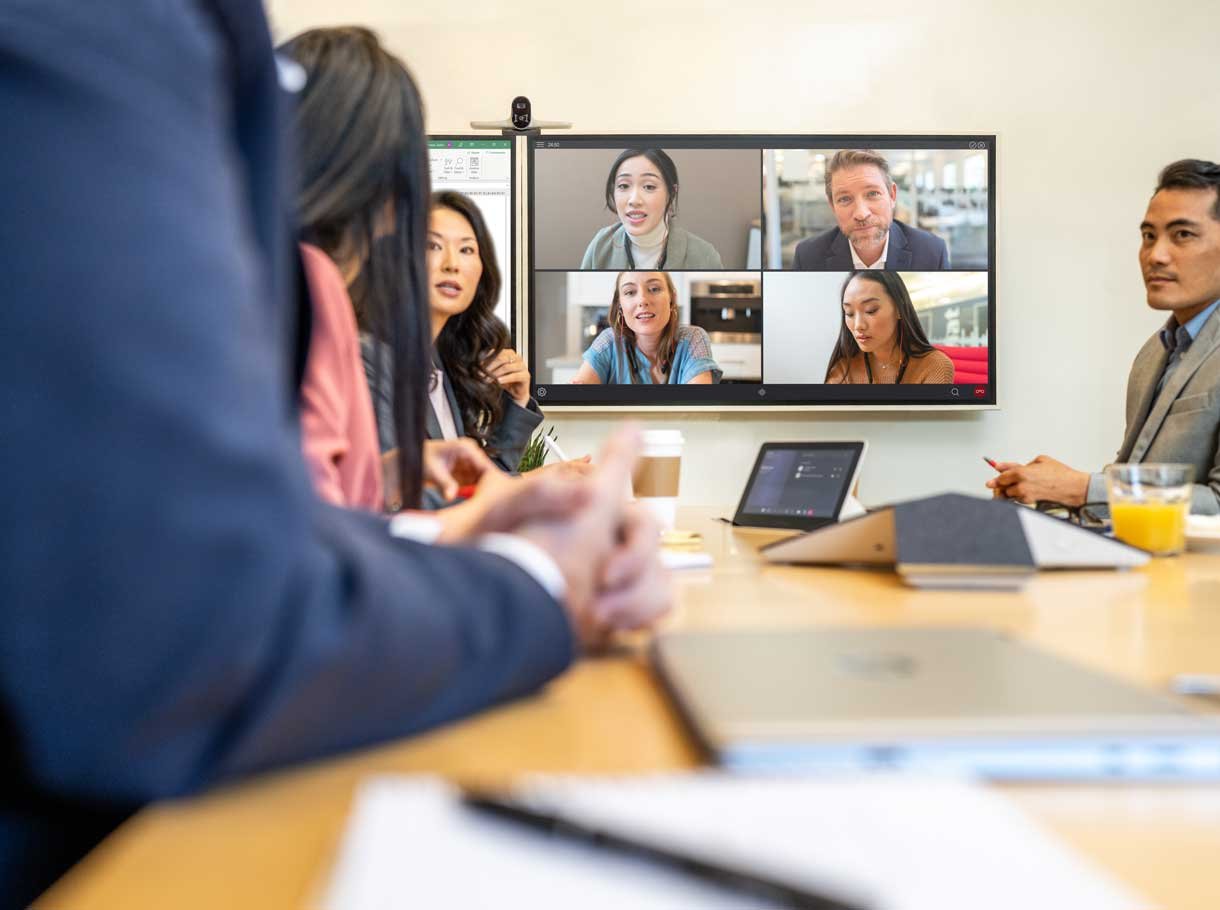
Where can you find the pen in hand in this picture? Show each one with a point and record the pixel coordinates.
(992, 462)
(553, 447)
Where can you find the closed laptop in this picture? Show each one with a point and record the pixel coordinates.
(927, 699)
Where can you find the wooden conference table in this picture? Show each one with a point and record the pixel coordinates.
(266, 844)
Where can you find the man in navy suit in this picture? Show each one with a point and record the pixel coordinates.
(863, 196)
(176, 607)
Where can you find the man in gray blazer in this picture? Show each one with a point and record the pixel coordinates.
(863, 197)
(1173, 393)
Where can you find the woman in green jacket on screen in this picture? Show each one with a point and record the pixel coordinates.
(642, 190)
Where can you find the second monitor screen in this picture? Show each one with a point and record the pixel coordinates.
(730, 269)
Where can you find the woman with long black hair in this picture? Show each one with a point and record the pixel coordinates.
(880, 338)
(362, 159)
(480, 385)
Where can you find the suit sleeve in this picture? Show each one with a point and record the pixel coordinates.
(508, 440)
(1205, 497)
(177, 608)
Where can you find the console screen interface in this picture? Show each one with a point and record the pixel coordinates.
(737, 270)
(800, 482)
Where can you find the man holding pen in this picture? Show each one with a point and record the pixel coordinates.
(1173, 392)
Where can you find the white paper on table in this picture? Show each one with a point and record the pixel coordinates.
(680, 559)
(906, 843)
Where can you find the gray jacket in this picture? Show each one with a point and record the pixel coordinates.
(1182, 425)
(684, 250)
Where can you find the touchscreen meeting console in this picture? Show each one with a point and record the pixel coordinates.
(772, 270)
(800, 485)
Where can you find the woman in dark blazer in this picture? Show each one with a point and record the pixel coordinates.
(480, 386)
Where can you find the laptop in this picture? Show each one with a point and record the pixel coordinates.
(939, 700)
(799, 485)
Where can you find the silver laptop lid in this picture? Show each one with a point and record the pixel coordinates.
(867, 697)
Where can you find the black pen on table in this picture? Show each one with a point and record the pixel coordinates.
(737, 879)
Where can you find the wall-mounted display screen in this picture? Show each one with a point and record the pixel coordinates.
(482, 169)
(777, 270)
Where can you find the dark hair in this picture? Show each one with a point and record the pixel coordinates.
(911, 337)
(664, 164)
(624, 337)
(1192, 174)
(471, 338)
(844, 158)
(363, 161)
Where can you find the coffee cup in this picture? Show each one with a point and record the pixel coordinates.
(655, 481)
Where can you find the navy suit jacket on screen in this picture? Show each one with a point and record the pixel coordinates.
(176, 608)
(910, 249)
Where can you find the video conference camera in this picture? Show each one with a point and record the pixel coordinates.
(520, 120)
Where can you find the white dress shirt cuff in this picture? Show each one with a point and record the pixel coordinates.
(417, 526)
(531, 558)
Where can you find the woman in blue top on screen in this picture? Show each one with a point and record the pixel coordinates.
(642, 190)
(645, 344)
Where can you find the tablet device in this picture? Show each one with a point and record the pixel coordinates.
(799, 485)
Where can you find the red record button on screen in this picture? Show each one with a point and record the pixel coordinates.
(980, 391)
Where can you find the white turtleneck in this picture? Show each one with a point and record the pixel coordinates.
(646, 248)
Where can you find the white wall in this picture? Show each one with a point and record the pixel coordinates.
(1089, 99)
(803, 317)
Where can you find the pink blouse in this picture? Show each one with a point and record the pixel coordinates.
(338, 429)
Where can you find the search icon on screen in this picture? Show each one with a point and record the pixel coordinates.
(954, 392)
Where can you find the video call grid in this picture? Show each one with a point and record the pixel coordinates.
(778, 393)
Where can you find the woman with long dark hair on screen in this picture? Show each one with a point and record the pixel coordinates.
(642, 192)
(881, 340)
(645, 344)
(480, 385)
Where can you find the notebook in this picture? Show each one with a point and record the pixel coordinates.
(888, 842)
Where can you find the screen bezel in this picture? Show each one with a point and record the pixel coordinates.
(508, 281)
(799, 522)
(785, 396)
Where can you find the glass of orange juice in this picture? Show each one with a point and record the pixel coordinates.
(1149, 504)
